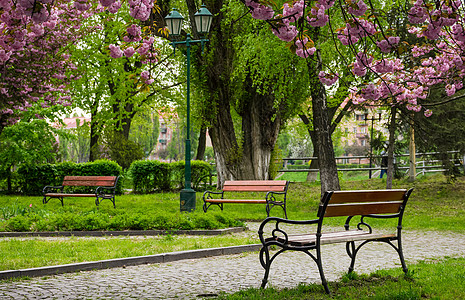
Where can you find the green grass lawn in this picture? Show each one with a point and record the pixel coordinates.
(435, 204)
(442, 279)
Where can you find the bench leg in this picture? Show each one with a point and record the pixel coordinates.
(266, 264)
(401, 256)
(45, 201)
(320, 269)
(350, 248)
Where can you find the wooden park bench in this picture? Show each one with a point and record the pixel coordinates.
(379, 204)
(276, 192)
(105, 188)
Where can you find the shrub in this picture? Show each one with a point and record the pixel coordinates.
(18, 223)
(150, 176)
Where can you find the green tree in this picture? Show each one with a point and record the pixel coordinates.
(26, 142)
(249, 84)
(115, 89)
(145, 130)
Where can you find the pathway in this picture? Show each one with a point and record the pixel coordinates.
(188, 279)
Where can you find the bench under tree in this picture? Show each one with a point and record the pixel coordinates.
(377, 204)
(276, 192)
(100, 187)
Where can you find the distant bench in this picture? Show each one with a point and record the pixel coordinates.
(379, 204)
(276, 192)
(106, 188)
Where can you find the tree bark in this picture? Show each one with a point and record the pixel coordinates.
(202, 143)
(326, 159)
(392, 139)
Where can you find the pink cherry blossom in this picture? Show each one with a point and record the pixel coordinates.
(327, 79)
(129, 52)
(286, 33)
(357, 9)
(115, 51)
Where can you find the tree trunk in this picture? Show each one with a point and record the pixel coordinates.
(94, 136)
(326, 159)
(202, 143)
(260, 132)
(313, 176)
(392, 139)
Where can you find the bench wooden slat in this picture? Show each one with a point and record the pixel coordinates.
(68, 195)
(355, 209)
(367, 196)
(89, 181)
(334, 237)
(255, 182)
(255, 186)
(236, 201)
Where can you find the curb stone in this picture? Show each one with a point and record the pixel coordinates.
(123, 233)
(129, 261)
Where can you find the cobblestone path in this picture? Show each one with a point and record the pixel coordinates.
(188, 279)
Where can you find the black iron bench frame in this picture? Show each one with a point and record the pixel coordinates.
(105, 188)
(276, 193)
(380, 204)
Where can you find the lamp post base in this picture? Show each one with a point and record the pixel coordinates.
(187, 200)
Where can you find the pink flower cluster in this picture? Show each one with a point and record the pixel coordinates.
(318, 16)
(355, 30)
(285, 33)
(357, 9)
(438, 16)
(361, 64)
(304, 48)
(134, 34)
(388, 45)
(140, 9)
(294, 11)
(259, 11)
(327, 79)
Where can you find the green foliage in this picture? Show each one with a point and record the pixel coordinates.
(35, 177)
(25, 143)
(123, 151)
(276, 162)
(76, 145)
(144, 131)
(63, 220)
(150, 176)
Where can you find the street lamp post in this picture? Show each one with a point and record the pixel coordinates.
(372, 119)
(173, 21)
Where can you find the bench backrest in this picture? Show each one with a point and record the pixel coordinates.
(256, 186)
(354, 203)
(90, 181)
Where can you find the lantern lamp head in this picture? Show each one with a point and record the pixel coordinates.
(203, 20)
(174, 22)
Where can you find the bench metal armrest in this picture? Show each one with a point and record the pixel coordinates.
(207, 194)
(279, 230)
(102, 189)
(50, 188)
(270, 196)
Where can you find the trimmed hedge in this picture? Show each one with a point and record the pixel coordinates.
(150, 176)
(34, 178)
